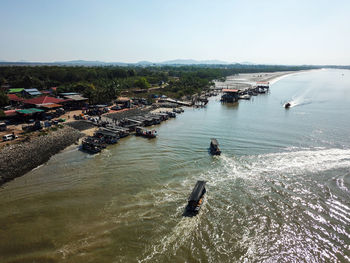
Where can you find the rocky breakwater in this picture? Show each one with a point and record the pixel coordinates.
(18, 159)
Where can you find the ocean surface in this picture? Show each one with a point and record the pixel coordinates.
(280, 192)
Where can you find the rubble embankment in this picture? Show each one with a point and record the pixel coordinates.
(18, 159)
(81, 125)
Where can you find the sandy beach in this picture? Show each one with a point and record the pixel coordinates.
(249, 79)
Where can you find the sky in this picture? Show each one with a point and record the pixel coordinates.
(257, 31)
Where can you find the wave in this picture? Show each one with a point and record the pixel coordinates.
(261, 198)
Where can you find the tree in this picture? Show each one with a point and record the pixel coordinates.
(142, 83)
(2, 114)
(4, 100)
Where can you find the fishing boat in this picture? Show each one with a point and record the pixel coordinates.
(146, 133)
(90, 146)
(106, 136)
(196, 198)
(214, 147)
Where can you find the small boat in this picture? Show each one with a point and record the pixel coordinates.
(146, 133)
(287, 105)
(171, 114)
(214, 147)
(90, 147)
(195, 200)
(244, 97)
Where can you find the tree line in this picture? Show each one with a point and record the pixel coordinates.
(103, 84)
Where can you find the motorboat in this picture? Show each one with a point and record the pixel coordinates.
(214, 147)
(195, 199)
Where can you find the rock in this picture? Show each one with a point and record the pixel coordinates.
(18, 159)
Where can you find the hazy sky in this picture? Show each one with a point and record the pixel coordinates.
(283, 31)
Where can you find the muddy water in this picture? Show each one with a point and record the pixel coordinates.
(280, 192)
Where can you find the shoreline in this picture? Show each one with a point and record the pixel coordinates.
(18, 159)
(250, 79)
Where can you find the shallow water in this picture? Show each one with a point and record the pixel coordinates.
(278, 193)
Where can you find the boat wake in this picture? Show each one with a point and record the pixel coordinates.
(265, 199)
(177, 237)
(298, 102)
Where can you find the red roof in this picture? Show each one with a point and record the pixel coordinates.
(229, 90)
(263, 82)
(9, 113)
(43, 100)
(14, 97)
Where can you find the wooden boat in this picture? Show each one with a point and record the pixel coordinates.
(146, 133)
(90, 146)
(214, 147)
(244, 97)
(196, 198)
(171, 114)
(106, 136)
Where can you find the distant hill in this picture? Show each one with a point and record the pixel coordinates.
(192, 62)
(92, 63)
(145, 63)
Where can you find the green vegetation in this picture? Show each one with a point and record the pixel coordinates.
(3, 99)
(103, 84)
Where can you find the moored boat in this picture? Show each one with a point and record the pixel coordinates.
(146, 133)
(244, 97)
(90, 146)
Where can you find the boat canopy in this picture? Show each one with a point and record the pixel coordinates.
(214, 142)
(197, 191)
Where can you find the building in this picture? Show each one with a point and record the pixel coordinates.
(14, 99)
(17, 90)
(75, 101)
(263, 84)
(30, 92)
(230, 95)
(123, 102)
(45, 102)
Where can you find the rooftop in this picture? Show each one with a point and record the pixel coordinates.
(230, 90)
(18, 90)
(75, 97)
(43, 100)
(14, 97)
(29, 111)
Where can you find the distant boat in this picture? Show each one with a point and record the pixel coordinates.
(214, 147)
(244, 97)
(195, 200)
(287, 105)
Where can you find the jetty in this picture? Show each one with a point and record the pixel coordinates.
(244, 91)
(117, 126)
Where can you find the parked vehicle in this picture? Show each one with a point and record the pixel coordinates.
(116, 108)
(9, 137)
